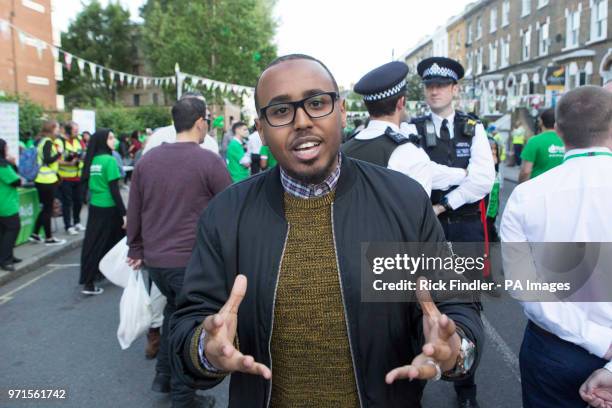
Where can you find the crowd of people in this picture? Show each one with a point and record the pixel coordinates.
(262, 274)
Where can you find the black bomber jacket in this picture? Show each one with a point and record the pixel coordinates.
(244, 230)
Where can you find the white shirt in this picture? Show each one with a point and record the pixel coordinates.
(254, 143)
(481, 168)
(410, 159)
(210, 143)
(167, 134)
(569, 203)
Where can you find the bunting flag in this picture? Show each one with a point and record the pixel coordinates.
(92, 70)
(55, 53)
(111, 76)
(81, 65)
(68, 60)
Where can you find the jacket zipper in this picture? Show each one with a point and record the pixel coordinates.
(348, 332)
(280, 263)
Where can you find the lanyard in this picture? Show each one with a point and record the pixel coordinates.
(587, 154)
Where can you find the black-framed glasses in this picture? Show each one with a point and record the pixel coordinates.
(315, 106)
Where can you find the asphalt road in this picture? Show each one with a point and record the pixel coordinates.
(55, 338)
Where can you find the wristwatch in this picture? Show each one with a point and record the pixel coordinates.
(444, 203)
(465, 359)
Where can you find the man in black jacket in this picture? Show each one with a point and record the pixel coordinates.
(303, 335)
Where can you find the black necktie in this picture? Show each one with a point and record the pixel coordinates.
(444, 132)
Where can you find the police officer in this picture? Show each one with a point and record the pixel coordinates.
(386, 141)
(456, 139)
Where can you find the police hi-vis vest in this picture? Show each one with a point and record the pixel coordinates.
(455, 152)
(47, 174)
(67, 171)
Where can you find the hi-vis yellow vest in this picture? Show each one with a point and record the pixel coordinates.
(47, 174)
(65, 170)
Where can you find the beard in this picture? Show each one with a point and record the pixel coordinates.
(316, 177)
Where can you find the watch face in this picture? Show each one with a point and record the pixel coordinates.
(468, 354)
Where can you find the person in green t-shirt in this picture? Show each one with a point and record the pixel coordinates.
(238, 162)
(543, 151)
(266, 158)
(106, 219)
(9, 208)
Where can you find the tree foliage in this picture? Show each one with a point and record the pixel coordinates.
(103, 35)
(225, 40)
(414, 88)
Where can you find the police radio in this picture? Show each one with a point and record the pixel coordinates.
(431, 140)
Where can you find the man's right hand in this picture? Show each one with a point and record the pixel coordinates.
(134, 263)
(220, 334)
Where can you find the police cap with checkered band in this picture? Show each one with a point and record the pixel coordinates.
(440, 70)
(383, 82)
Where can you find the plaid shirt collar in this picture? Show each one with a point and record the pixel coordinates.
(300, 190)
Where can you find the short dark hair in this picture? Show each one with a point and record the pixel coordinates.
(357, 123)
(584, 116)
(186, 112)
(548, 118)
(382, 107)
(237, 125)
(292, 57)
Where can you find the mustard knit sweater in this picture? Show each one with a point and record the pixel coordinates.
(311, 360)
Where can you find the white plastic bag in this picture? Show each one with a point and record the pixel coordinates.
(135, 315)
(158, 303)
(114, 265)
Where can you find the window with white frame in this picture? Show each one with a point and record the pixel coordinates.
(470, 62)
(469, 33)
(493, 56)
(543, 37)
(525, 8)
(479, 61)
(542, 3)
(505, 13)
(572, 27)
(478, 27)
(493, 23)
(505, 52)
(526, 44)
(599, 19)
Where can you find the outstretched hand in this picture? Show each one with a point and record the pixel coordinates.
(442, 344)
(220, 334)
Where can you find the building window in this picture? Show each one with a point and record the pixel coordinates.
(493, 56)
(526, 45)
(543, 37)
(542, 3)
(479, 61)
(525, 8)
(599, 19)
(572, 25)
(493, 20)
(505, 13)
(469, 33)
(136, 100)
(505, 52)
(478, 28)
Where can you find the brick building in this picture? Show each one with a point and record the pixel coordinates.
(27, 65)
(525, 53)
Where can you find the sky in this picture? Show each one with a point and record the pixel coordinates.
(350, 36)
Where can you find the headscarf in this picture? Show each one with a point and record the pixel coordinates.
(3, 161)
(97, 145)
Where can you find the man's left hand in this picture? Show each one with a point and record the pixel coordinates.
(597, 389)
(438, 209)
(442, 344)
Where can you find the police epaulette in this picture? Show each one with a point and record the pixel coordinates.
(419, 119)
(396, 137)
(470, 115)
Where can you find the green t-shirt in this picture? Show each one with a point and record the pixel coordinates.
(545, 151)
(9, 204)
(235, 153)
(103, 170)
(265, 151)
